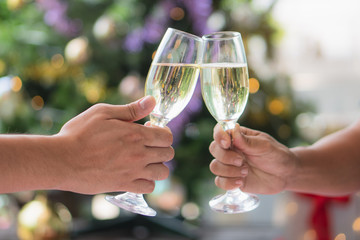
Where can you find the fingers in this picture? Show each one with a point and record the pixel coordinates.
(223, 170)
(222, 137)
(246, 139)
(150, 174)
(248, 131)
(229, 183)
(149, 136)
(156, 172)
(141, 186)
(226, 156)
(157, 136)
(132, 111)
(158, 155)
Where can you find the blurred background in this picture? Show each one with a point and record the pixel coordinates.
(58, 57)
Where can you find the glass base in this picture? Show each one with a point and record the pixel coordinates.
(234, 201)
(132, 202)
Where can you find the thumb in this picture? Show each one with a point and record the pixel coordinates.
(136, 110)
(245, 139)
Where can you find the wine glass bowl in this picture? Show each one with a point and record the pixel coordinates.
(171, 80)
(225, 90)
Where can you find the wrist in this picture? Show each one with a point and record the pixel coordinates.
(60, 159)
(294, 178)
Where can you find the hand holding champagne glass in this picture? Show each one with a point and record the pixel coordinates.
(171, 80)
(225, 89)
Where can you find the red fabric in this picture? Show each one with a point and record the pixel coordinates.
(319, 219)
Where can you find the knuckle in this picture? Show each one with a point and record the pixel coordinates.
(160, 172)
(132, 110)
(139, 157)
(148, 187)
(171, 153)
(226, 183)
(163, 173)
(170, 139)
(212, 147)
(143, 186)
(234, 172)
(214, 167)
(99, 107)
(135, 137)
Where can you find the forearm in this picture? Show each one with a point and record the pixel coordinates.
(29, 162)
(331, 166)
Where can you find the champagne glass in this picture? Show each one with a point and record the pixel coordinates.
(225, 90)
(171, 80)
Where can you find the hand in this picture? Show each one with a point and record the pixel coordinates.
(253, 161)
(105, 151)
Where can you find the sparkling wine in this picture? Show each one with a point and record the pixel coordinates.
(172, 85)
(225, 90)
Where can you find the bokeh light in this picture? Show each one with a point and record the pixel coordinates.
(14, 4)
(57, 61)
(310, 235)
(102, 210)
(291, 208)
(254, 85)
(190, 211)
(37, 102)
(77, 50)
(340, 236)
(276, 106)
(356, 225)
(16, 84)
(177, 13)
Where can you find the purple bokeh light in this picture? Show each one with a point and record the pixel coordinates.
(56, 17)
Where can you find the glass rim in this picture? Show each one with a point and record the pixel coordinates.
(186, 34)
(223, 35)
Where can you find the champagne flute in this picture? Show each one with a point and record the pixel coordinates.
(225, 90)
(171, 80)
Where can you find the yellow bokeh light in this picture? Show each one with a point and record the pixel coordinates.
(16, 84)
(291, 208)
(92, 95)
(177, 13)
(93, 89)
(37, 102)
(14, 4)
(340, 236)
(310, 235)
(57, 61)
(254, 85)
(2, 67)
(356, 225)
(276, 107)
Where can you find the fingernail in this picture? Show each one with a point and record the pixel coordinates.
(238, 162)
(145, 103)
(223, 143)
(239, 182)
(244, 171)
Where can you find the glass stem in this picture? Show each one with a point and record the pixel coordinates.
(237, 192)
(228, 125)
(158, 120)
